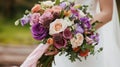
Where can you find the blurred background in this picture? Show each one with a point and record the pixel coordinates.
(10, 11)
(16, 42)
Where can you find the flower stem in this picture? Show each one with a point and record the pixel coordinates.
(45, 61)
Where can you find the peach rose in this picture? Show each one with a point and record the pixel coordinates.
(78, 41)
(57, 26)
(50, 41)
(36, 8)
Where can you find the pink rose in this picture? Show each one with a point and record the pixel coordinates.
(67, 34)
(59, 41)
(34, 18)
(56, 9)
(46, 18)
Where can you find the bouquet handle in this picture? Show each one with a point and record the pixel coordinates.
(31, 60)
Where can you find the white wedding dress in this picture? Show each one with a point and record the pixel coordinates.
(109, 40)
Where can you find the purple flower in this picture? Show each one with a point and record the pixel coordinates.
(74, 11)
(95, 37)
(47, 16)
(39, 32)
(86, 22)
(34, 18)
(59, 41)
(46, 19)
(79, 29)
(25, 20)
(63, 5)
(67, 34)
(89, 40)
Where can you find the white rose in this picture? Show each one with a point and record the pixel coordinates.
(47, 4)
(78, 41)
(57, 26)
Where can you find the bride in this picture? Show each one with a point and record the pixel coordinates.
(104, 11)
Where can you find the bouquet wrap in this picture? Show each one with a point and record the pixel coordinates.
(31, 60)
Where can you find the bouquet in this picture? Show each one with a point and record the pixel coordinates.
(65, 26)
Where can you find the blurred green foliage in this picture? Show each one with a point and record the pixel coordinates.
(10, 11)
(10, 34)
(15, 35)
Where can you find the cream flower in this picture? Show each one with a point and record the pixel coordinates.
(69, 23)
(61, 0)
(71, 1)
(77, 41)
(57, 26)
(47, 4)
(81, 14)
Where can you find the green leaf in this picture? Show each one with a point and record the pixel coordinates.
(45, 61)
(62, 14)
(17, 22)
(27, 11)
(80, 7)
(96, 22)
(79, 59)
(100, 49)
(57, 2)
(89, 15)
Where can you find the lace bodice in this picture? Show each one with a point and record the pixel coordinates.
(92, 5)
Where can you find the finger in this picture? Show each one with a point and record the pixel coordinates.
(50, 53)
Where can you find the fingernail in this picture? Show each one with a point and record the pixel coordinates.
(46, 54)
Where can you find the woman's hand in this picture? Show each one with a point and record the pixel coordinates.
(51, 52)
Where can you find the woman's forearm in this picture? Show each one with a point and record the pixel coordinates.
(103, 18)
(105, 15)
